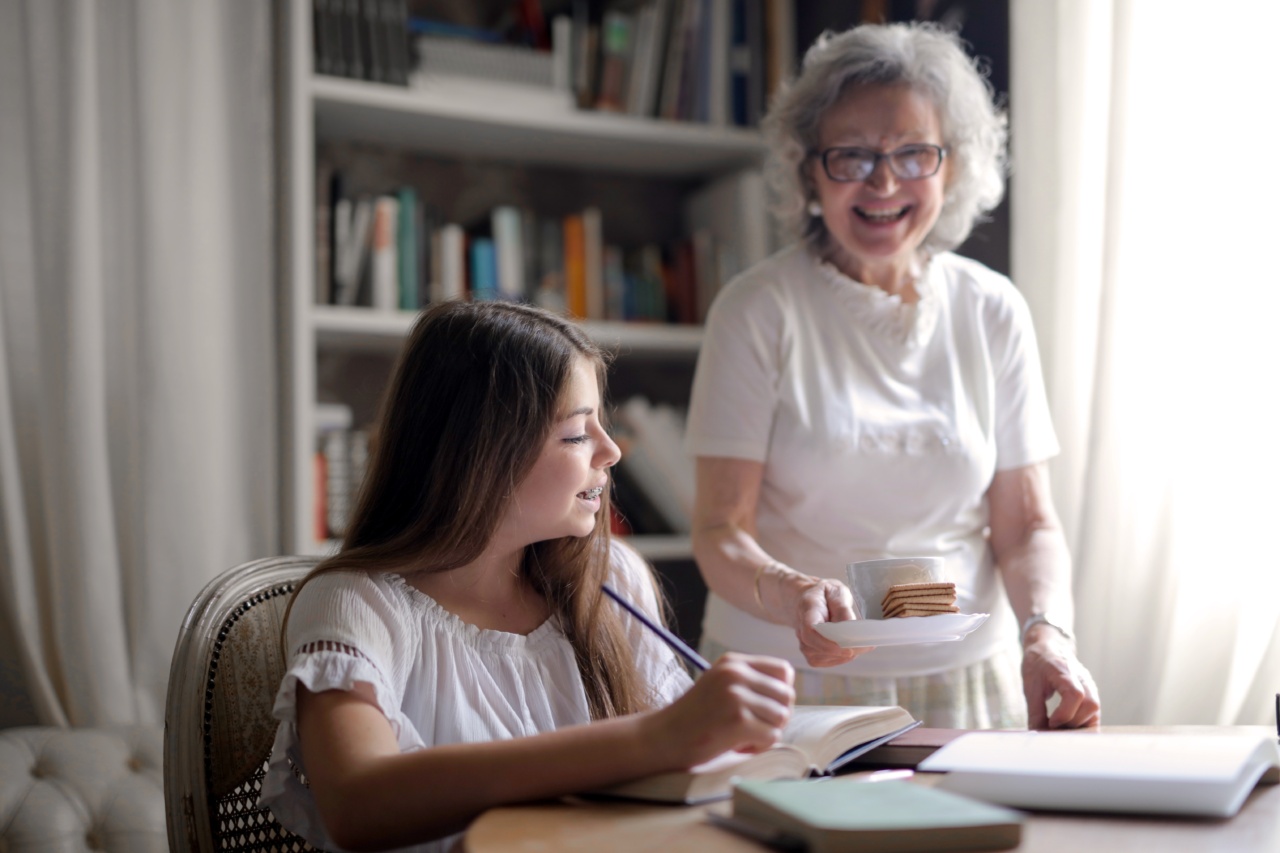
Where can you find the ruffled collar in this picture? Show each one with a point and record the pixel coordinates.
(885, 315)
(547, 631)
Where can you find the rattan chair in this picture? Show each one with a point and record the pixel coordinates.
(218, 727)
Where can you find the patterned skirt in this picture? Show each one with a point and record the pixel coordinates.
(984, 695)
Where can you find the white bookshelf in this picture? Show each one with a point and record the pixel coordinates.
(446, 119)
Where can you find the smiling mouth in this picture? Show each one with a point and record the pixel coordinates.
(884, 215)
(591, 494)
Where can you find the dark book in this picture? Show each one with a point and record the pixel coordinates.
(907, 750)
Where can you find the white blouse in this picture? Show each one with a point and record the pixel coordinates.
(880, 425)
(437, 679)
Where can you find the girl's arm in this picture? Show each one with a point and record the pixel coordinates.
(739, 571)
(372, 797)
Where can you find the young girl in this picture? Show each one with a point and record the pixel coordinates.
(458, 654)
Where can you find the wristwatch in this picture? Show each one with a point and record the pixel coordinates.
(1042, 619)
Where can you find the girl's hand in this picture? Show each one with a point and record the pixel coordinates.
(819, 600)
(740, 703)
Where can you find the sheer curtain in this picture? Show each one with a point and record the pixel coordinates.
(137, 379)
(1144, 200)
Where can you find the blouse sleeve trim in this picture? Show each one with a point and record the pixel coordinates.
(326, 665)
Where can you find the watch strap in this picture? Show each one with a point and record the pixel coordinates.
(1043, 619)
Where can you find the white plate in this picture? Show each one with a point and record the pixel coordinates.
(903, 631)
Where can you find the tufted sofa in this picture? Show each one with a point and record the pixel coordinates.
(82, 789)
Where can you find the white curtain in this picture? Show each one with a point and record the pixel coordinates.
(1144, 206)
(137, 327)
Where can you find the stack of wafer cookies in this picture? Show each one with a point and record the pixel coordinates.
(919, 599)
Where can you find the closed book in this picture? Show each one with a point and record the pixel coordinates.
(1194, 774)
(507, 225)
(593, 262)
(449, 266)
(839, 815)
(385, 271)
(616, 49)
(818, 740)
(909, 749)
(575, 266)
(484, 269)
(407, 248)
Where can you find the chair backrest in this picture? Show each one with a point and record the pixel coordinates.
(218, 728)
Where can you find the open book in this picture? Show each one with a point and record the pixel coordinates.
(1205, 774)
(818, 741)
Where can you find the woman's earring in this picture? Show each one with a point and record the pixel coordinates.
(814, 208)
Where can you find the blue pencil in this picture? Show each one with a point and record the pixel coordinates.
(679, 645)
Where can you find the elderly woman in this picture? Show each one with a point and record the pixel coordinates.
(867, 393)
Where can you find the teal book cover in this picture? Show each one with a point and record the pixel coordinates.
(836, 815)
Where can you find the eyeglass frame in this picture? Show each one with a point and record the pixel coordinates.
(877, 156)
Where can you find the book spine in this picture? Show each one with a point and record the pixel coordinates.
(615, 53)
(575, 266)
(551, 272)
(484, 269)
(593, 262)
(385, 272)
(452, 278)
(508, 241)
(407, 222)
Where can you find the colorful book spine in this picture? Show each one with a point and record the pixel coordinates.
(484, 269)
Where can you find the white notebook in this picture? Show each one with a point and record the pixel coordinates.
(1193, 774)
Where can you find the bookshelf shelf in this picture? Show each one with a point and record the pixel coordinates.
(524, 124)
(365, 329)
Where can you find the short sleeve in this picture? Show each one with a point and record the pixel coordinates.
(344, 628)
(1023, 424)
(659, 666)
(737, 380)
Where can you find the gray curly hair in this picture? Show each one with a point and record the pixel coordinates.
(930, 60)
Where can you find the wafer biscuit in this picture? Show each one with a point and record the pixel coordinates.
(902, 614)
(923, 610)
(919, 599)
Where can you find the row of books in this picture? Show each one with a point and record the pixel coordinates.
(340, 459)
(364, 39)
(653, 487)
(390, 251)
(712, 61)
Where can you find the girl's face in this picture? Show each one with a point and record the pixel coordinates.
(561, 495)
(879, 224)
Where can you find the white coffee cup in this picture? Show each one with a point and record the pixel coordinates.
(869, 580)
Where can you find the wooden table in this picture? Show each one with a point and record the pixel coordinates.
(634, 828)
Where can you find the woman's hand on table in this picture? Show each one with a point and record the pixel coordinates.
(1049, 666)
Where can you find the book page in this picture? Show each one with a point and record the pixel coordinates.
(825, 732)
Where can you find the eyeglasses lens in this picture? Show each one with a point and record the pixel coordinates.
(908, 163)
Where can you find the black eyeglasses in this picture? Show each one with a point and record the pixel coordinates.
(908, 163)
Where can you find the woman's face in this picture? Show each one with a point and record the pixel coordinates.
(561, 494)
(879, 224)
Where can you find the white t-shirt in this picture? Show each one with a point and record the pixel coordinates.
(438, 679)
(880, 425)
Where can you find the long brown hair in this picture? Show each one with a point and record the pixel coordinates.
(476, 393)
